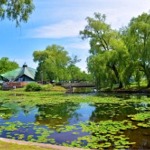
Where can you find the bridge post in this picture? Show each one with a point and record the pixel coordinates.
(70, 89)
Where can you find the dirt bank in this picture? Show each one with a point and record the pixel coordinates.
(54, 147)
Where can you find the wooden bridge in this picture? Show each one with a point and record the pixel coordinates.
(70, 86)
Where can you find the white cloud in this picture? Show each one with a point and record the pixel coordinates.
(123, 11)
(82, 45)
(66, 28)
(65, 19)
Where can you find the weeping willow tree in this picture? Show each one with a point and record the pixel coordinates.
(137, 38)
(16, 10)
(108, 53)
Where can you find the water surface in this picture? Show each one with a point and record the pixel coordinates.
(60, 123)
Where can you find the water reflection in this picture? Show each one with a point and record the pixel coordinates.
(54, 117)
(8, 110)
(57, 115)
(142, 138)
(111, 111)
(124, 95)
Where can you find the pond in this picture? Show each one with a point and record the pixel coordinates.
(79, 124)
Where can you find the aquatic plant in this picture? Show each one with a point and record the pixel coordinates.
(144, 125)
(140, 116)
(105, 134)
(52, 116)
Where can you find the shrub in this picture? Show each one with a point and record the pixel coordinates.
(58, 89)
(47, 87)
(33, 86)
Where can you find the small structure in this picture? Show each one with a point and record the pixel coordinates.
(18, 77)
(71, 86)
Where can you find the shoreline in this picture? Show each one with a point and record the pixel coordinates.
(127, 91)
(42, 145)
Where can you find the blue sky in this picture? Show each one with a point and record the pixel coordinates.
(59, 22)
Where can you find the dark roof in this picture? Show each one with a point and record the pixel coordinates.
(15, 74)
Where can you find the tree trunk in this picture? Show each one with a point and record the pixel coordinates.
(148, 85)
(117, 76)
(148, 81)
(147, 74)
(120, 85)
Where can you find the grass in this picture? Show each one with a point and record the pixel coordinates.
(12, 146)
(133, 86)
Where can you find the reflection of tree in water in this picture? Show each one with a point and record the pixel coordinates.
(111, 111)
(56, 115)
(141, 136)
(27, 109)
(8, 110)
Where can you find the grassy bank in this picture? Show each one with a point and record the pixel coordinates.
(12, 146)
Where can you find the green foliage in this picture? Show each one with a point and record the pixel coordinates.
(53, 63)
(33, 86)
(109, 54)
(75, 74)
(116, 57)
(47, 87)
(7, 65)
(105, 134)
(17, 11)
(140, 116)
(143, 116)
(137, 39)
(144, 125)
(58, 89)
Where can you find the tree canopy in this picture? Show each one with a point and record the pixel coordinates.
(138, 35)
(107, 49)
(116, 57)
(16, 10)
(53, 62)
(7, 65)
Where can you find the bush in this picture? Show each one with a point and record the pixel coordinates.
(33, 86)
(58, 89)
(47, 87)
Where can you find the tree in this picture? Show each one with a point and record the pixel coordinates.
(16, 10)
(75, 73)
(138, 37)
(52, 63)
(108, 51)
(7, 65)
